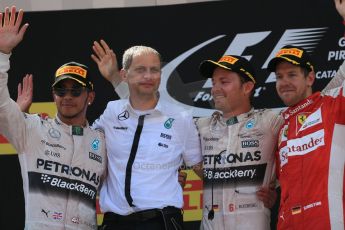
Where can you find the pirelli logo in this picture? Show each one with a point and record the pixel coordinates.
(71, 70)
(228, 59)
(291, 51)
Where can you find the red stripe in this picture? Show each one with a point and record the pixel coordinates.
(3, 140)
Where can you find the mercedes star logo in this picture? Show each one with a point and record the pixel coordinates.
(54, 133)
(123, 116)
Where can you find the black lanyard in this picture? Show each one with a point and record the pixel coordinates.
(131, 160)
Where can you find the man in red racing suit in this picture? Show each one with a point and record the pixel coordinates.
(311, 150)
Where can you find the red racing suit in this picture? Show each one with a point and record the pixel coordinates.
(310, 163)
(62, 166)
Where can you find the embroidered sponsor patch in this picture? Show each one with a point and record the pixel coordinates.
(250, 143)
(306, 144)
(168, 123)
(54, 133)
(95, 144)
(250, 124)
(166, 136)
(312, 205)
(312, 120)
(123, 116)
(95, 157)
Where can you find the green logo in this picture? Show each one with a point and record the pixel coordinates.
(232, 121)
(168, 123)
(77, 130)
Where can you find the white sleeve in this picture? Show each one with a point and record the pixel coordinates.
(12, 120)
(101, 123)
(192, 154)
(276, 121)
(98, 124)
(337, 79)
(122, 90)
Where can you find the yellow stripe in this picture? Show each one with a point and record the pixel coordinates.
(7, 149)
(290, 60)
(193, 199)
(220, 65)
(44, 107)
(295, 62)
(225, 67)
(191, 175)
(100, 219)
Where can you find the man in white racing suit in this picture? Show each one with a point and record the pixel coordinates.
(62, 160)
(238, 148)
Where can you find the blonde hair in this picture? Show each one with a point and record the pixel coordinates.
(136, 51)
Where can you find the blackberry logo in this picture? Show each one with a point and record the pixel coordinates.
(57, 167)
(45, 178)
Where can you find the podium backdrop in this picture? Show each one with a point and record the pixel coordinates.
(184, 35)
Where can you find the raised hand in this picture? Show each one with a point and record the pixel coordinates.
(25, 92)
(106, 62)
(11, 31)
(340, 6)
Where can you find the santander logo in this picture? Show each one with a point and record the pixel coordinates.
(301, 146)
(306, 144)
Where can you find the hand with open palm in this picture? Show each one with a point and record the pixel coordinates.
(25, 93)
(11, 31)
(105, 59)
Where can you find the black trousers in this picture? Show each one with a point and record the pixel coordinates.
(168, 218)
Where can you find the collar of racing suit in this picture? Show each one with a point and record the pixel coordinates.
(70, 128)
(218, 117)
(301, 106)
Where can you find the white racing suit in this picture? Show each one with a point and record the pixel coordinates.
(238, 160)
(62, 166)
